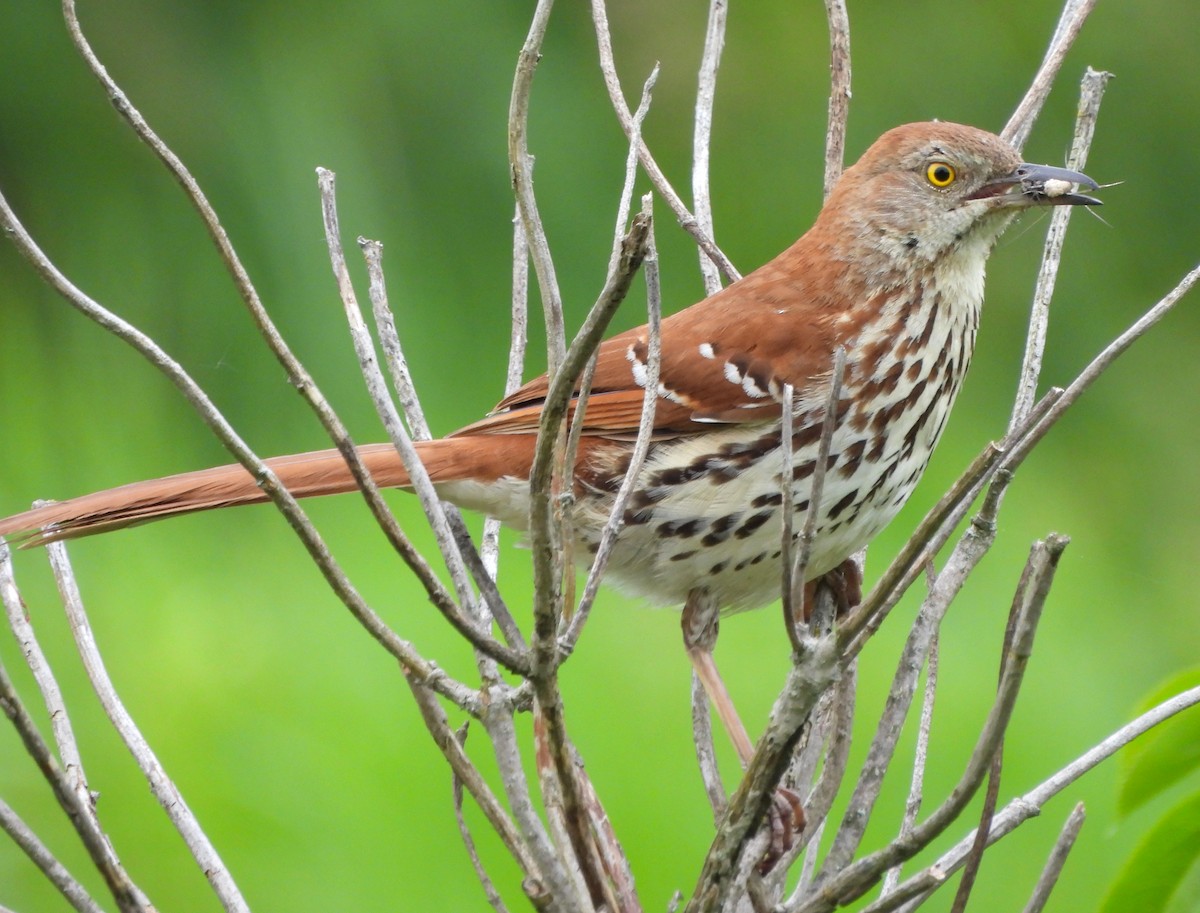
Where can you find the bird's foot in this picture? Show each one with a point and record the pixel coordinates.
(786, 822)
(844, 585)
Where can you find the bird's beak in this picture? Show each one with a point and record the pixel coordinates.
(1039, 185)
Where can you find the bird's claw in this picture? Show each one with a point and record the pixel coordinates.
(786, 821)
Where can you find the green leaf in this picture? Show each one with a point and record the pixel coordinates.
(1160, 865)
(1166, 754)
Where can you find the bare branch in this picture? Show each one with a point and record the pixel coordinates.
(196, 397)
(1091, 93)
(489, 887)
(1029, 805)
(641, 446)
(916, 789)
(163, 788)
(466, 774)
(795, 571)
(435, 513)
(521, 164)
(39, 854)
(1020, 125)
(554, 411)
(1057, 859)
(839, 90)
(706, 754)
(836, 888)
(706, 92)
(687, 221)
(70, 790)
(1038, 429)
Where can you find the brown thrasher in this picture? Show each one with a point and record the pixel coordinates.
(892, 272)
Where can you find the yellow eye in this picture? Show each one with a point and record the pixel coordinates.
(940, 174)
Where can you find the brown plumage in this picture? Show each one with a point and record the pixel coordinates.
(892, 271)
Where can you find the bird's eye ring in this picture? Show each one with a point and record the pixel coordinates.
(940, 174)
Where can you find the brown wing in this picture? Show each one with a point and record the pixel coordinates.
(725, 359)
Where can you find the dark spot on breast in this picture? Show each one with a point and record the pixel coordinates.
(721, 529)
(744, 453)
(842, 504)
(772, 497)
(747, 529)
(851, 458)
(683, 556)
(684, 529)
(911, 242)
(676, 475)
(722, 473)
(717, 568)
(887, 414)
(637, 517)
(927, 333)
(914, 369)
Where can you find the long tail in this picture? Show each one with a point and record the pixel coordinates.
(322, 472)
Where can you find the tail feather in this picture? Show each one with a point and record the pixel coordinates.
(322, 472)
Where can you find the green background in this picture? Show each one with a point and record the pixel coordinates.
(290, 733)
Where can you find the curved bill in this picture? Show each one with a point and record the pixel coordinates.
(1040, 185)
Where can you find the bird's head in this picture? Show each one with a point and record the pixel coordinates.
(926, 191)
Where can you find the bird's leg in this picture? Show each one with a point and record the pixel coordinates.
(700, 623)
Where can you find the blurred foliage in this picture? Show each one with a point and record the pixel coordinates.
(290, 733)
(1163, 873)
(1164, 756)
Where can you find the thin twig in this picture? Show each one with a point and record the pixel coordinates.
(1029, 805)
(706, 93)
(546, 570)
(616, 517)
(916, 789)
(435, 513)
(839, 90)
(521, 164)
(161, 786)
(795, 572)
(1038, 429)
(854, 880)
(483, 571)
(554, 410)
(492, 603)
(40, 855)
(466, 774)
(706, 753)
(39, 666)
(489, 549)
(687, 221)
(1091, 93)
(69, 790)
(224, 432)
(787, 539)
(1020, 125)
(464, 831)
(1057, 859)
(641, 446)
